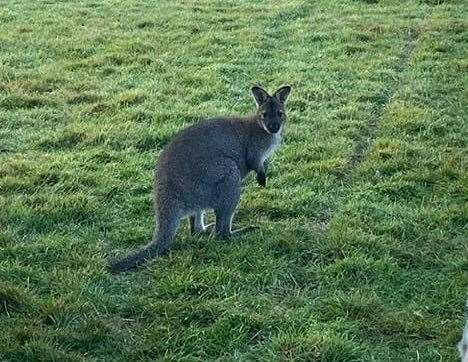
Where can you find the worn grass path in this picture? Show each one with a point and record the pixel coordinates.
(361, 254)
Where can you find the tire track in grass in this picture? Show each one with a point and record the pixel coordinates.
(277, 33)
(367, 137)
(365, 140)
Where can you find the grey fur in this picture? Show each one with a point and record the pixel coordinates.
(202, 168)
(463, 344)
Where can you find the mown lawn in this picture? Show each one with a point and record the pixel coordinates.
(361, 254)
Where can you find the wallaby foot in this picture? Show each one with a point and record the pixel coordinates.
(196, 224)
(224, 227)
(223, 224)
(209, 227)
(244, 229)
(238, 232)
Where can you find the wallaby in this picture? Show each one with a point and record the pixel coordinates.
(202, 168)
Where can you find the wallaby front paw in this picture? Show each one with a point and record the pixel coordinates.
(261, 179)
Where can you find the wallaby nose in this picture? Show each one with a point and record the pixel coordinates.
(274, 127)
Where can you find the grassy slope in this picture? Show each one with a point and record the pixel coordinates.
(360, 253)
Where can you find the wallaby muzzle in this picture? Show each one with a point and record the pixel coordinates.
(274, 127)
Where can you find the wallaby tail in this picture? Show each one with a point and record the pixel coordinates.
(159, 245)
(137, 258)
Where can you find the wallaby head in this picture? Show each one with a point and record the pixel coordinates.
(270, 109)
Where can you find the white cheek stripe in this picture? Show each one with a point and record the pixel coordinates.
(265, 128)
(275, 144)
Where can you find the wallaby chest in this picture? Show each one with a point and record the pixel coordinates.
(271, 146)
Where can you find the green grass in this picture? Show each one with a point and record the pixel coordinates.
(361, 253)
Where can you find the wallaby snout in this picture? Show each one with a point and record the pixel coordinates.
(273, 126)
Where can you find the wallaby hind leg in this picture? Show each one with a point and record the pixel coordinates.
(224, 224)
(229, 194)
(229, 191)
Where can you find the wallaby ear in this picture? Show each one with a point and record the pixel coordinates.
(282, 93)
(260, 95)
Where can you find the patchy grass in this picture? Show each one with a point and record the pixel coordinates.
(361, 251)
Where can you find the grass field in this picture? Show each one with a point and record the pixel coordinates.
(361, 254)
